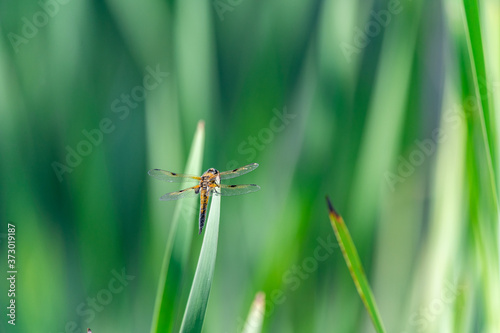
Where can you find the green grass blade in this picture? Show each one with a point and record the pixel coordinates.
(354, 264)
(484, 213)
(478, 67)
(194, 314)
(178, 244)
(255, 317)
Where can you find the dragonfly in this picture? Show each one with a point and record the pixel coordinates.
(208, 183)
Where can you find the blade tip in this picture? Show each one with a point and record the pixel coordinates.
(331, 209)
(260, 298)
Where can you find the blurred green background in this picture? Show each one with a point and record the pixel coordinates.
(376, 104)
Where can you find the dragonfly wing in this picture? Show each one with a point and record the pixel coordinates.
(172, 177)
(227, 190)
(239, 171)
(186, 193)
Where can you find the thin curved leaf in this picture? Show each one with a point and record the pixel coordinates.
(178, 244)
(354, 264)
(194, 314)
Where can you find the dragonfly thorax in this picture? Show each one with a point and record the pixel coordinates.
(210, 177)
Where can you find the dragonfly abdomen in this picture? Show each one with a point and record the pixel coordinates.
(203, 207)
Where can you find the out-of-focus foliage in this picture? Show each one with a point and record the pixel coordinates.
(380, 105)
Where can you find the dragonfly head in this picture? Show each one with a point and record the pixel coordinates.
(212, 171)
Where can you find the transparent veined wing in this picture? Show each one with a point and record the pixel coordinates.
(227, 190)
(186, 193)
(171, 177)
(239, 171)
